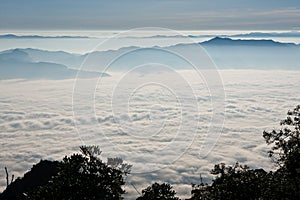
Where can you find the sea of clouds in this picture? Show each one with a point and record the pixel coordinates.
(158, 127)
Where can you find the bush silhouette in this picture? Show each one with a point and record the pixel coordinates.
(240, 182)
(85, 176)
(162, 191)
(38, 176)
(285, 152)
(232, 182)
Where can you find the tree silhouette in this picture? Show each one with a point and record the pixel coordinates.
(85, 176)
(286, 141)
(232, 182)
(162, 191)
(39, 175)
(240, 182)
(285, 152)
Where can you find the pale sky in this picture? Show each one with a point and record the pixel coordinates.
(173, 14)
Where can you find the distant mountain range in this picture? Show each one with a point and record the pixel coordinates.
(170, 36)
(267, 35)
(13, 36)
(225, 52)
(220, 41)
(244, 35)
(253, 54)
(17, 64)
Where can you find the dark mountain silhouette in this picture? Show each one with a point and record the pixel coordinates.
(220, 41)
(253, 54)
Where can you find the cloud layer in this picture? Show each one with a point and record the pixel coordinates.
(37, 122)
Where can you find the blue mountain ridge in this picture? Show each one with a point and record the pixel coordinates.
(18, 64)
(227, 53)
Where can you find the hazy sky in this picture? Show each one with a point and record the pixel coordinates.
(174, 14)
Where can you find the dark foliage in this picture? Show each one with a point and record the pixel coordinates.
(286, 153)
(286, 141)
(162, 191)
(240, 182)
(85, 176)
(232, 182)
(38, 176)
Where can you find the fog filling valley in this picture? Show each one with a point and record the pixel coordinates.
(150, 127)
